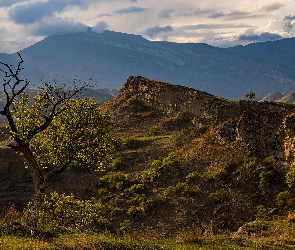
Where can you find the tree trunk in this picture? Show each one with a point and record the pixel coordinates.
(33, 211)
(37, 201)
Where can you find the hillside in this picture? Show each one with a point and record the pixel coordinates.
(190, 162)
(111, 57)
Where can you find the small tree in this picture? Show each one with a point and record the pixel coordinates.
(55, 130)
(250, 95)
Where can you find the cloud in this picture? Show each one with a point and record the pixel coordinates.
(210, 26)
(157, 29)
(56, 26)
(133, 9)
(289, 23)
(30, 12)
(165, 14)
(272, 7)
(100, 27)
(265, 36)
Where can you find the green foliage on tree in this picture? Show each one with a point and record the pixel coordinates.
(250, 95)
(55, 130)
(290, 176)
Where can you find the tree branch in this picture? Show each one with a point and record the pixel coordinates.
(55, 172)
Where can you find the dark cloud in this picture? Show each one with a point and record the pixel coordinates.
(56, 26)
(30, 12)
(289, 23)
(100, 27)
(272, 6)
(165, 14)
(133, 1)
(265, 36)
(214, 14)
(133, 9)
(157, 29)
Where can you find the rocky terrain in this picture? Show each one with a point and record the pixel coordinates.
(189, 161)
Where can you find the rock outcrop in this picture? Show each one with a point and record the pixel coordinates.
(263, 128)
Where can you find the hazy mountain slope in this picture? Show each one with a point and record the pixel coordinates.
(280, 52)
(111, 57)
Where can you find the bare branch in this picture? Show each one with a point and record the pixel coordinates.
(56, 172)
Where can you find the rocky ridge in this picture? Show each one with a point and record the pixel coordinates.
(263, 128)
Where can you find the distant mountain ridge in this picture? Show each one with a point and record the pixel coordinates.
(111, 57)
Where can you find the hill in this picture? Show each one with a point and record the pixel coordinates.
(190, 162)
(111, 57)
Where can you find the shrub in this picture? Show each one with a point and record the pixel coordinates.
(130, 141)
(269, 161)
(236, 143)
(217, 196)
(283, 198)
(191, 177)
(153, 172)
(182, 189)
(261, 213)
(154, 130)
(219, 174)
(132, 210)
(290, 176)
(164, 163)
(265, 178)
(118, 163)
(12, 223)
(251, 165)
(61, 211)
(140, 198)
(137, 189)
(126, 227)
(115, 181)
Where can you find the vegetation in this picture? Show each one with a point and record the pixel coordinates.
(250, 95)
(54, 131)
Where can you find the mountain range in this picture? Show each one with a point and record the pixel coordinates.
(111, 57)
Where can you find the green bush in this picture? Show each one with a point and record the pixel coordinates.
(118, 163)
(182, 189)
(12, 223)
(191, 177)
(140, 198)
(137, 189)
(115, 181)
(62, 211)
(153, 171)
(236, 143)
(132, 210)
(126, 227)
(154, 130)
(251, 165)
(219, 174)
(290, 176)
(261, 213)
(283, 198)
(269, 161)
(265, 177)
(162, 163)
(217, 196)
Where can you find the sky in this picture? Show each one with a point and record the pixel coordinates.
(219, 23)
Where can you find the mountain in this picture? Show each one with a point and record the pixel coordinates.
(99, 95)
(111, 57)
(281, 52)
